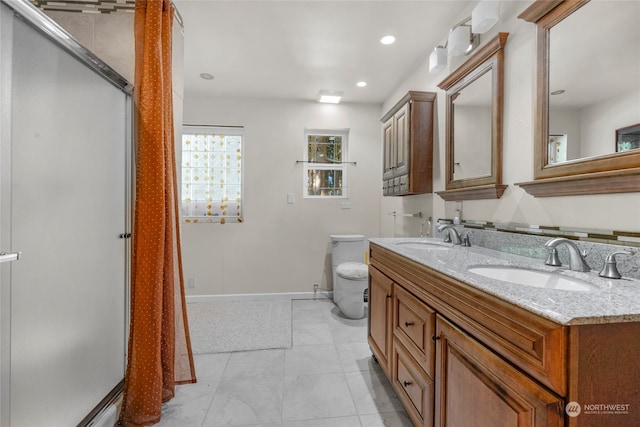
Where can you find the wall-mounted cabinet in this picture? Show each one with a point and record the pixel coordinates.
(407, 133)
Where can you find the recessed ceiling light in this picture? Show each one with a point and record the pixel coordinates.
(361, 84)
(329, 96)
(206, 76)
(388, 39)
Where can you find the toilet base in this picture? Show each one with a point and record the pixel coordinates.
(352, 306)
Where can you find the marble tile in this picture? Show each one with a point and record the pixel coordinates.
(250, 390)
(247, 364)
(372, 393)
(387, 419)
(316, 396)
(189, 413)
(346, 330)
(246, 401)
(311, 360)
(209, 369)
(326, 422)
(310, 311)
(356, 357)
(316, 383)
(311, 334)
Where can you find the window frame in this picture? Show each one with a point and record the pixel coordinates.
(342, 166)
(188, 129)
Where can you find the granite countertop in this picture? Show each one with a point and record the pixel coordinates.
(608, 301)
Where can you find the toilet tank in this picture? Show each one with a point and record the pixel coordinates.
(348, 248)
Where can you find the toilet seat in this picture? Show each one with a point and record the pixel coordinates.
(353, 271)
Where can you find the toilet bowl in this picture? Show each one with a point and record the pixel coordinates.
(352, 280)
(350, 273)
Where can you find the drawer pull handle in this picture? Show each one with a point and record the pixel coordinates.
(388, 296)
(406, 383)
(435, 337)
(408, 323)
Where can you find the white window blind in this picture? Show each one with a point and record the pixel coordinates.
(211, 174)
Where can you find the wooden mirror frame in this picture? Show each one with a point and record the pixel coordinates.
(611, 173)
(489, 58)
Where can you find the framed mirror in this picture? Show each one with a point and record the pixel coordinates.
(474, 100)
(587, 97)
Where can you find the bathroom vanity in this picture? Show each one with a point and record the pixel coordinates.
(462, 349)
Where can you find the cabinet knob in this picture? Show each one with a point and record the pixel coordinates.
(388, 296)
(435, 337)
(408, 323)
(406, 383)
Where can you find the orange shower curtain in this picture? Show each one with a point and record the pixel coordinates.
(159, 346)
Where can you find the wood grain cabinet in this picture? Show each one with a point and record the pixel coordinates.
(380, 298)
(478, 388)
(459, 357)
(407, 133)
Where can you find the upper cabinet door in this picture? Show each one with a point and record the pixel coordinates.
(389, 149)
(403, 143)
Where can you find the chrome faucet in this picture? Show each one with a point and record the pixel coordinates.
(451, 235)
(576, 258)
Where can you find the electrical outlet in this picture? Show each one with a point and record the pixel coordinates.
(191, 282)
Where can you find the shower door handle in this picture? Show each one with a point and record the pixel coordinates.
(14, 256)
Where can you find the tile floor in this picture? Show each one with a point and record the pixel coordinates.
(327, 378)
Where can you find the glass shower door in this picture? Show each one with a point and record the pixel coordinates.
(63, 205)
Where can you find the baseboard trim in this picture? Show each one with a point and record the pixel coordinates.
(254, 297)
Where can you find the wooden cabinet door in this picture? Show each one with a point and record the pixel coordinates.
(389, 159)
(380, 294)
(402, 139)
(477, 388)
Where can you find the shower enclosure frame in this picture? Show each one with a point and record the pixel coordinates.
(29, 14)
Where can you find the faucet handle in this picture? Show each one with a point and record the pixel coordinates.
(465, 239)
(552, 258)
(447, 237)
(610, 268)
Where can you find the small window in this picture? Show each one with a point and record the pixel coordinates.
(325, 172)
(211, 174)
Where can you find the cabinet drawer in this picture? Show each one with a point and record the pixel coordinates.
(414, 326)
(414, 387)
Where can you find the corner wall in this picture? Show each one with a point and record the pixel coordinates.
(282, 247)
(605, 211)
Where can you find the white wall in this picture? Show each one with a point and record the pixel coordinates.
(614, 211)
(282, 247)
(600, 121)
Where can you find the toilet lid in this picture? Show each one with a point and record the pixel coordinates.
(353, 271)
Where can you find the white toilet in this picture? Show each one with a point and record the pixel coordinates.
(350, 273)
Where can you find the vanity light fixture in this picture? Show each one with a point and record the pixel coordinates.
(438, 59)
(329, 96)
(461, 40)
(484, 16)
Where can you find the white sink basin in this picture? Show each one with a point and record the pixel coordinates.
(535, 278)
(423, 245)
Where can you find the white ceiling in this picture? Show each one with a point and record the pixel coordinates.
(293, 49)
